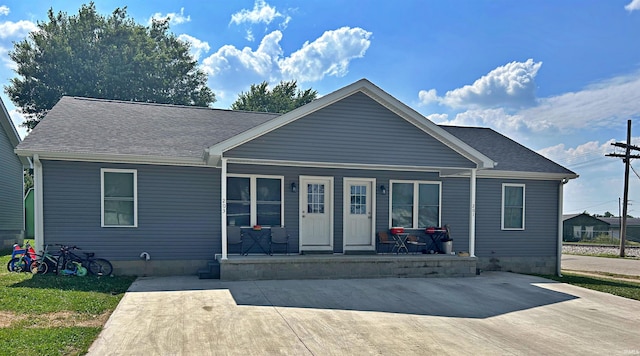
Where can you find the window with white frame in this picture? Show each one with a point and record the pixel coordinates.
(119, 190)
(513, 206)
(415, 205)
(255, 200)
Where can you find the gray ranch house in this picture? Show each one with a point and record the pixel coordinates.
(11, 183)
(124, 178)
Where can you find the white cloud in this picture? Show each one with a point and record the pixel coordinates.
(4, 10)
(510, 85)
(438, 118)
(330, 54)
(10, 29)
(261, 12)
(18, 119)
(174, 18)
(428, 96)
(633, 5)
(197, 47)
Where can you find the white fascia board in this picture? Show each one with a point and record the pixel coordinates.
(525, 175)
(381, 167)
(113, 158)
(377, 94)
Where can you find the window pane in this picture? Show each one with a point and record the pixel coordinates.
(402, 205)
(118, 212)
(118, 184)
(269, 214)
(268, 189)
(238, 189)
(513, 207)
(239, 214)
(358, 203)
(315, 198)
(428, 205)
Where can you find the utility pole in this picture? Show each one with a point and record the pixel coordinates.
(626, 158)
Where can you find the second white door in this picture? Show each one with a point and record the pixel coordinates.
(359, 215)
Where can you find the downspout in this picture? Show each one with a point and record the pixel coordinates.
(38, 211)
(560, 227)
(472, 214)
(223, 207)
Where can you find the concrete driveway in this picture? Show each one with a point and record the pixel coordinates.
(495, 313)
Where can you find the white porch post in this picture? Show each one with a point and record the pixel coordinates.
(223, 206)
(560, 228)
(472, 213)
(37, 203)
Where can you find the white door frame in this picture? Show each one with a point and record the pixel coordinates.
(303, 208)
(345, 212)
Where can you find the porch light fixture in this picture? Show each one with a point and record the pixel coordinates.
(294, 188)
(383, 190)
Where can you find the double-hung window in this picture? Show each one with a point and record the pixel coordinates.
(415, 205)
(119, 190)
(255, 200)
(512, 206)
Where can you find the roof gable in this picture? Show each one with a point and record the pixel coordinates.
(10, 131)
(366, 87)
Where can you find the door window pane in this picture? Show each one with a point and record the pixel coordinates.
(315, 198)
(358, 205)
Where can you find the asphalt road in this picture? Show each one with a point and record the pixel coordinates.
(621, 266)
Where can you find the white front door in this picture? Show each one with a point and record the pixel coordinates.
(359, 216)
(316, 213)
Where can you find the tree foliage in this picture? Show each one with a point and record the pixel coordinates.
(283, 98)
(112, 57)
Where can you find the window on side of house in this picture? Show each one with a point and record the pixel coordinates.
(513, 198)
(119, 190)
(255, 200)
(415, 205)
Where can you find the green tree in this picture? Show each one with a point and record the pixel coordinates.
(608, 214)
(283, 98)
(112, 57)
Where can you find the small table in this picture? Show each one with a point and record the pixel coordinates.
(401, 239)
(257, 237)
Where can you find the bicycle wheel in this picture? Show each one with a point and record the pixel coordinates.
(39, 267)
(100, 267)
(17, 265)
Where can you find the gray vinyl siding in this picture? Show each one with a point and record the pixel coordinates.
(354, 130)
(541, 220)
(455, 200)
(11, 188)
(178, 211)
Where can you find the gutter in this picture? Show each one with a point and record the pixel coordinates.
(560, 226)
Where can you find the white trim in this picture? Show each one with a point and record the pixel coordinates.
(253, 191)
(223, 207)
(135, 196)
(523, 186)
(38, 211)
(345, 212)
(525, 175)
(472, 213)
(329, 205)
(115, 158)
(416, 191)
(366, 87)
(560, 229)
(251, 161)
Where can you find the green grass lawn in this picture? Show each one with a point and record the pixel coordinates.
(54, 315)
(627, 289)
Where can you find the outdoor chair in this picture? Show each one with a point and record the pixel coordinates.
(413, 240)
(279, 236)
(384, 240)
(234, 237)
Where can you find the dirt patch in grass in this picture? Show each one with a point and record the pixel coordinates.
(53, 320)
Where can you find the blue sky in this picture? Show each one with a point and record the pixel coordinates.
(560, 77)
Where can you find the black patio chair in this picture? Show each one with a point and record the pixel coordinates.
(279, 236)
(234, 237)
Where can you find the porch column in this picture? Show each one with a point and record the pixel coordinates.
(223, 206)
(38, 213)
(472, 213)
(560, 227)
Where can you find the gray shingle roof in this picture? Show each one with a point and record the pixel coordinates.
(510, 155)
(82, 125)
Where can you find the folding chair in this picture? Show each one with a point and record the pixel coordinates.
(279, 236)
(234, 237)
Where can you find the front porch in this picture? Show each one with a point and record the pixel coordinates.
(339, 266)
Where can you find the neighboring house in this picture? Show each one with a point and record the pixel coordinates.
(577, 227)
(11, 183)
(633, 228)
(122, 178)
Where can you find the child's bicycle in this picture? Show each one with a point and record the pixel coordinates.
(22, 259)
(46, 262)
(74, 268)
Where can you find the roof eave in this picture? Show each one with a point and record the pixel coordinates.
(113, 158)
